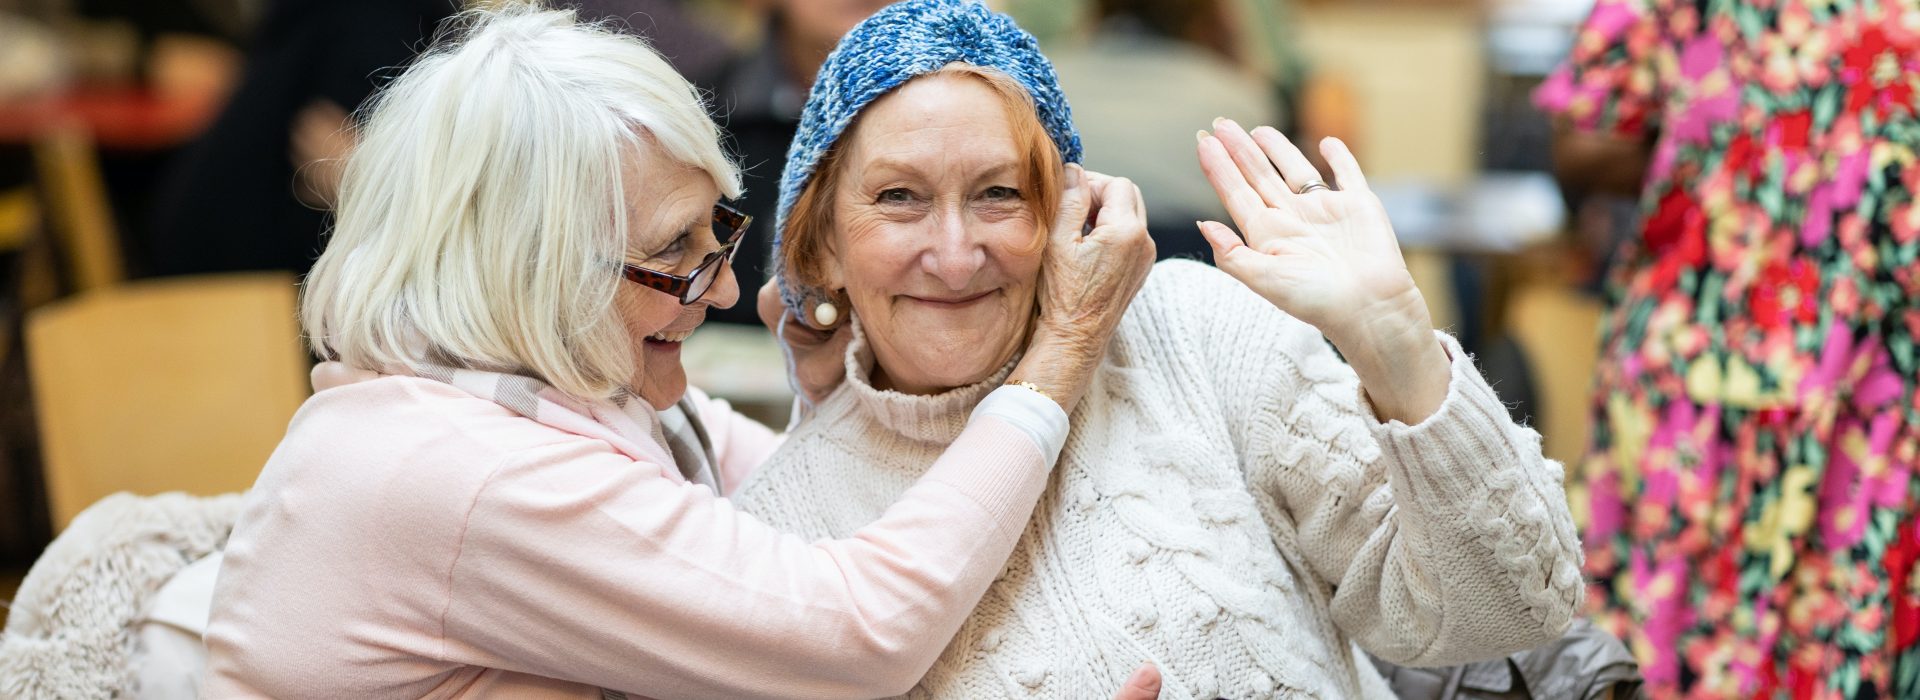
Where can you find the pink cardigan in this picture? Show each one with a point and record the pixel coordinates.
(411, 539)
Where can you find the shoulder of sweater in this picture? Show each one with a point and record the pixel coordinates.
(1198, 304)
(403, 418)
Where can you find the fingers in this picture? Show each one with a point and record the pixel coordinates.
(1139, 202)
(1233, 257)
(1227, 246)
(1294, 165)
(1242, 201)
(835, 346)
(1253, 162)
(1075, 203)
(818, 363)
(1346, 170)
(1144, 684)
(1119, 205)
(1120, 217)
(787, 325)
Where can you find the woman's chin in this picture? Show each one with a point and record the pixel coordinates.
(662, 389)
(932, 373)
(937, 352)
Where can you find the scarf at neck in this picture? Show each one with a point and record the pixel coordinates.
(672, 437)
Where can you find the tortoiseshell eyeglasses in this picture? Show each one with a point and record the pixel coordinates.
(729, 225)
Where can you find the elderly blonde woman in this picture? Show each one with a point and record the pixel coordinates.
(1235, 503)
(487, 495)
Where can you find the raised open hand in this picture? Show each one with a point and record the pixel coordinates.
(1324, 254)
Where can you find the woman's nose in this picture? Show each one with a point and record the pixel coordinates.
(955, 256)
(726, 290)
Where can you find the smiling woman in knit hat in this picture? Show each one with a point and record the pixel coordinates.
(1236, 502)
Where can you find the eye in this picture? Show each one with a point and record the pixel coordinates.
(1000, 193)
(672, 250)
(896, 195)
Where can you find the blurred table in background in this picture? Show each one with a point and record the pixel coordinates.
(118, 117)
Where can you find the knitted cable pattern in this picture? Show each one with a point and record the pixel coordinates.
(903, 41)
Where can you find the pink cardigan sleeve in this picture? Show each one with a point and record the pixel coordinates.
(581, 564)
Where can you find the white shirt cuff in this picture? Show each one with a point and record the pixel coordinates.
(1034, 414)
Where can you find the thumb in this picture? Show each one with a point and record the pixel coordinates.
(1233, 256)
(1228, 249)
(1144, 684)
(836, 342)
(1075, 202)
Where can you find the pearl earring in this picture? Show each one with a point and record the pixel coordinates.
(826, 314)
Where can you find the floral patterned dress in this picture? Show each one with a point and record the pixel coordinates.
(1750, 494)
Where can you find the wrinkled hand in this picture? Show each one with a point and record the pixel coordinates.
(1098, 255)
(816, 359)
(1327, 257)
(1144, 684)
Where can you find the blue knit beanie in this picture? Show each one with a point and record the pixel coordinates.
(897, 44)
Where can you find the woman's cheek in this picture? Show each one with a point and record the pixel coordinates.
(872, 235)
(643, 315)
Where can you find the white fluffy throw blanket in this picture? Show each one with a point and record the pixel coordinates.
(70, 633)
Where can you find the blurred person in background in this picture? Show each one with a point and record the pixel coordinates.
(1150, 71)
(670, 27)
(250, 193)
(1753, 524)
(758, 101)
(483, 499)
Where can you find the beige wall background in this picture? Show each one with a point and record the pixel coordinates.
(1417, 72)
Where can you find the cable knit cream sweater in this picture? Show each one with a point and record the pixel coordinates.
(1226, 507)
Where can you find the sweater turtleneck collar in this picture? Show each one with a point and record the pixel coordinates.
(936, 418)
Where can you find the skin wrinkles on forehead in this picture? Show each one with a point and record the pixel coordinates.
(668, 205)
(905, 147)
(975, 171)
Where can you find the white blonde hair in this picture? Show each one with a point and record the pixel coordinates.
(482, 216)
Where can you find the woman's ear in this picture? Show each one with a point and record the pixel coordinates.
(833, 275)
(828, 303)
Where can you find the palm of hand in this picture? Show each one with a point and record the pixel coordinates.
(1327, 257)
(1319, 255)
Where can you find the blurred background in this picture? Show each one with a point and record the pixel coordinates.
(166, 168)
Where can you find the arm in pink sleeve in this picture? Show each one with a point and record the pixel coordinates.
(584, 565)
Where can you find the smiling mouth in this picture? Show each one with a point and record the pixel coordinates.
(952, 303)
